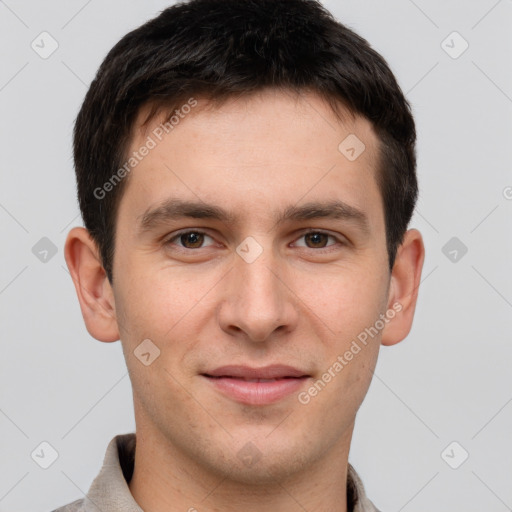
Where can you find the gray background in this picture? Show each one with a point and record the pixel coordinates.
(449, 381)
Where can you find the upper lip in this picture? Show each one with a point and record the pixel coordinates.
(274, 371)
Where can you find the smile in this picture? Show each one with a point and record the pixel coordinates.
(256, 386)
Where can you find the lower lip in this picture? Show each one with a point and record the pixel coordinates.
(257, 393)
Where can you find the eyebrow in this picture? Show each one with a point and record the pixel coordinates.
(172, 209)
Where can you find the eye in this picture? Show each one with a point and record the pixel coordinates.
(192, 239)
(317, 239)
(195, 239)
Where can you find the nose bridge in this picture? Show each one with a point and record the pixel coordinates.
(258, 302)
(259, 283)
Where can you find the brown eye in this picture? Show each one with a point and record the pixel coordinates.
(316, 239)
(193, 238)
(189, 240)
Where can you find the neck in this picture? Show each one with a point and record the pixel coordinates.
(165, 479)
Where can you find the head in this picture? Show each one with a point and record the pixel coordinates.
(246, 124)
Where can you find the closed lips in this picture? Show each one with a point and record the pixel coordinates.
(256, 386)
(251, 380)
(264, 374)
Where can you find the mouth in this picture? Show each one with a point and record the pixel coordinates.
(256, 386)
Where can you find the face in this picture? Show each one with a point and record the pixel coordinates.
(273, 273)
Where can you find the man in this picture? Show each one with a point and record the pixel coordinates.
(246, 176)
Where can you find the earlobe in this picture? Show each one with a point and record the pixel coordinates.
(91, 284)
(403, 290)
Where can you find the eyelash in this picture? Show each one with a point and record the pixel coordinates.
(170, 240)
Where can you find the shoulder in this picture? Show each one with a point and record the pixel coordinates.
(357, 500)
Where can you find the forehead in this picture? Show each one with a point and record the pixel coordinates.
(242, 118)
(260, 152)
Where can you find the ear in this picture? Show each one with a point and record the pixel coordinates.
(92, 286)
(403, 289)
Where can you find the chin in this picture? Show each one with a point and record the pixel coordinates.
(252, 466)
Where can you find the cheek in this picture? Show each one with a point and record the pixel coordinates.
(349, 308)
(347, 301)
(157, 304)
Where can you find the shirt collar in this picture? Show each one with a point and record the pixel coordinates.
(110, 491)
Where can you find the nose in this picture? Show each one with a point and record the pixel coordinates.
(258, 300)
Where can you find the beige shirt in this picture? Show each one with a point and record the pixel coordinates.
(109, 492)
